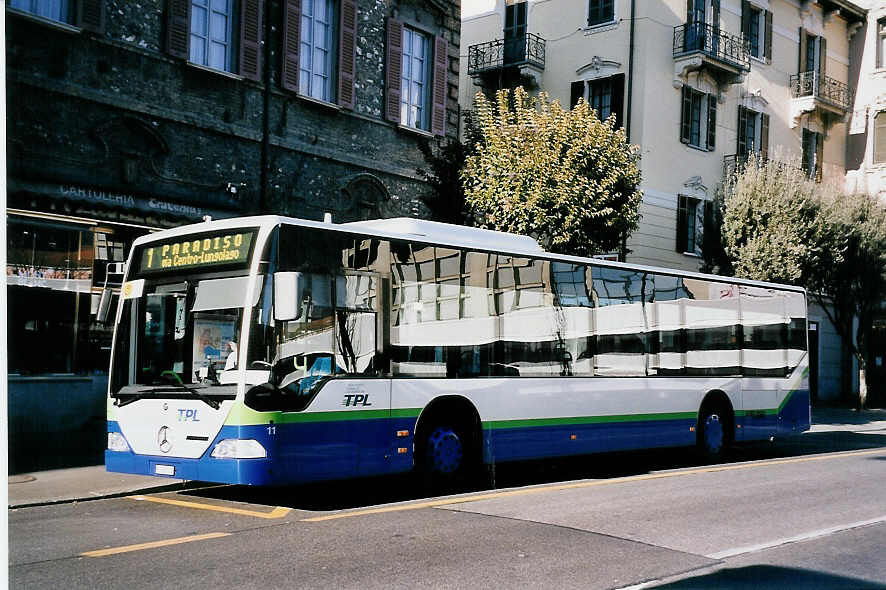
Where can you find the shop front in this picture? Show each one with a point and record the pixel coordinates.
(64, 246)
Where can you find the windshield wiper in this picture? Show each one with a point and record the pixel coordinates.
(180, 386)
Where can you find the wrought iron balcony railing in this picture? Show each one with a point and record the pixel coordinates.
(735, 162)
(822, 88)
(528, 49)
(709, 40)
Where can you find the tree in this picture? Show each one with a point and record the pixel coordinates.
(561, 176)
(780, 226)
(446, 195)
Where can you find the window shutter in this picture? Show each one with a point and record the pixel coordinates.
(819, 155)
(441, 67)
(91, 15)
(712, 121)
(250, 39)
(742, 145)
(576, 91)
(618, 99)
(764, 136)
(689, 11)
(801, 63)
(393, 69)
(291, 41)
(682, 223)
(767, 37)
(715, 15)
(822, 58)
(178, 27)
(746, 21)
(347, 53)
(686, 115)
(880, 138)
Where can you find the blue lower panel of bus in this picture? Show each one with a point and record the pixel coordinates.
(297, 453)
(793, 417)
(536, 442)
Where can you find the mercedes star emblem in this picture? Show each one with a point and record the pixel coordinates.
(162, 439)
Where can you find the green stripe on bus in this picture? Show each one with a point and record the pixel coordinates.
(242, 416)
(580, 420)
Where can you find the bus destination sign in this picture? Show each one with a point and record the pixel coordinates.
(198, 252)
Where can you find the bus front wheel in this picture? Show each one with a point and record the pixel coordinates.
(447, 455)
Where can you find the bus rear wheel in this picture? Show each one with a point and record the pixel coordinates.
(713, 433)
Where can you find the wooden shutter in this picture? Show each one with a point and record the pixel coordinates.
(767, 36)
(746, 21)
(393, 70)
(347, 53)
(576, 91)
(822, 57)
(91, 15)
(764, 136)
(618, 99)
(178, 27)
(690, 12)
(291, 42)
(880, 138)
(250, 39)
(441, 68)
(715, 16)
(819, 155)
(686, 115)
(801, 63)
(682, 223)
(742, 145)
(712, 121)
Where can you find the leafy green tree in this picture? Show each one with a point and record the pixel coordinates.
(562, 176)
(780, 226)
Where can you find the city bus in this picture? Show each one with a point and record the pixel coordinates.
(277, 351)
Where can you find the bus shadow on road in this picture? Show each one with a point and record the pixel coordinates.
(761, 577)
(364, 492)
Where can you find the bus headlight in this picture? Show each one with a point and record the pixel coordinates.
(116, 442)
(239, 448)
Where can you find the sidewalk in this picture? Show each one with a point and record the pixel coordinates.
(90, 483)
(81, 483)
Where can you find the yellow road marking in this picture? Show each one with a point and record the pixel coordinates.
(582, 484)
(152, 545)
(278, 512)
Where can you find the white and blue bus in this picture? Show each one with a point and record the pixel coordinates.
(273, 350)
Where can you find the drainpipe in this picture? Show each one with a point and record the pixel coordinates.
(266, 111)
(630, 70)
(624, 239)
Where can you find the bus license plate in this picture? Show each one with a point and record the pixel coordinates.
(164, 469)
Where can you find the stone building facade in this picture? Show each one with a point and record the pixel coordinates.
(125, 116)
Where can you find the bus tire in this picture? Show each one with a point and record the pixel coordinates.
(714, 431)
(448, 454)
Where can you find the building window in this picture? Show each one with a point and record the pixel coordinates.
(316, 53)
(813, 150)
(880, 138)
(57, 10)
(600, 11)
(753, 132)
(693, 215)
(756, 26)
(414, 81)
(211, 34)
(604, 95)
(698, 119)
(881, 43)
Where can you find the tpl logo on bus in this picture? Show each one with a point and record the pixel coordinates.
(356, 399)
(187, 415)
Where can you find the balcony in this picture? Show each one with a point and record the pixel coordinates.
(700, 46)
(813, 92)
(517, 58)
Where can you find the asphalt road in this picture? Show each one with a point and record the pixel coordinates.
(807, 513)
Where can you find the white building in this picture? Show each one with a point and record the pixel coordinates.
(698, 84)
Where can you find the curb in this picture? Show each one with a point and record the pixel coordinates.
(184, 485)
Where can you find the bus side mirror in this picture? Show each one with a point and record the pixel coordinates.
(287, 296)
(104, 303)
